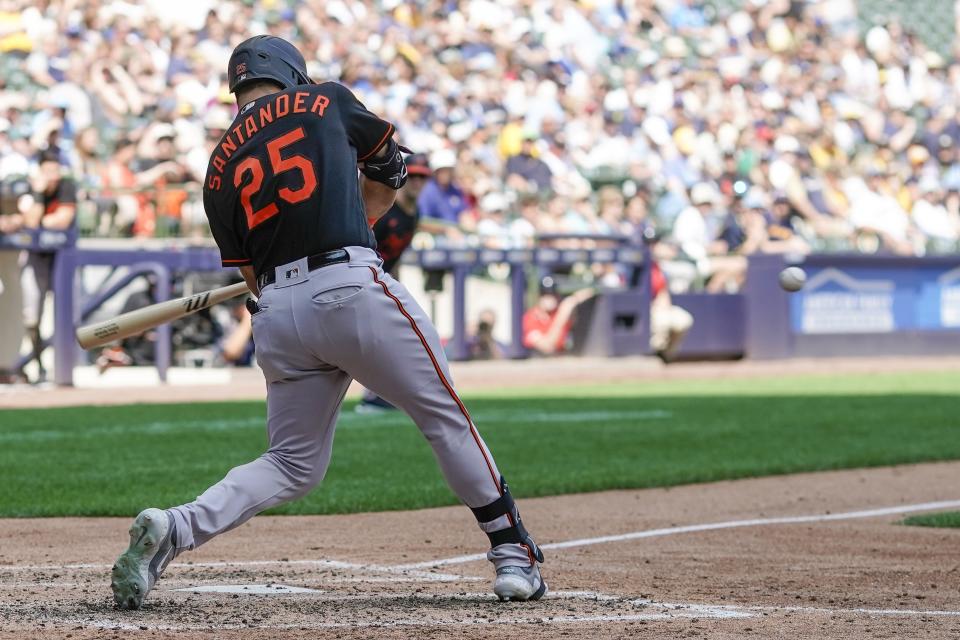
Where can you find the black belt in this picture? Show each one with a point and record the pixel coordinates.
(313, 262)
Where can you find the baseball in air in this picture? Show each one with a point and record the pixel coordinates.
(792, 278)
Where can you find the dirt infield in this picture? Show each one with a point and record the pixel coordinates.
(804, 556)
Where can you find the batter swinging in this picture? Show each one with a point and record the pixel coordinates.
(286, 206)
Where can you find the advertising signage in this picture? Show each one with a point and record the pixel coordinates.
(861, 300)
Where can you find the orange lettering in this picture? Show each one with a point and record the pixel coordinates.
(283, 105)
(228, 146)
(266, 115)
(319, 105)
(219, 163)
(214, 183)
(298, 99)
(236, 131)
(251, 126)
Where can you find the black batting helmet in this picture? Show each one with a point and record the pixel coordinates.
(266, 58)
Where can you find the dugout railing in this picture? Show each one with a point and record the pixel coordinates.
(167, 259)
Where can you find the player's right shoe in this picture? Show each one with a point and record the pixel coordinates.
(519, 583)
(153, 537)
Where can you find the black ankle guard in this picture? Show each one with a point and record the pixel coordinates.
(516, 534)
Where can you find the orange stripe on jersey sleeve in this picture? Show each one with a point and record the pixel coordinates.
(377, 146)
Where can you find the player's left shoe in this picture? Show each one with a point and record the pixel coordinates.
(153, 537)
(519, 583)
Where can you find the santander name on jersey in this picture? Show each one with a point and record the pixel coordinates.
(278, 108)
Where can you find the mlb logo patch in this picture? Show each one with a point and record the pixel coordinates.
(241, 68)
(292, 273)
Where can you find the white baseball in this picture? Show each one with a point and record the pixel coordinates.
(792, 278)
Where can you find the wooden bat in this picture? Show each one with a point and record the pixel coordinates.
(139, 320)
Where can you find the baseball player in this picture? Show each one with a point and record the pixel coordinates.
(394, 230)
(286, 206)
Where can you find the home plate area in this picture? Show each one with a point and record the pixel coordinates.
(806, 557)
(313, 595)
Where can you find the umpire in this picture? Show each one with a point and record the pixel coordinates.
(286, 205)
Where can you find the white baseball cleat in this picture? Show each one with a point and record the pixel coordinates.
(519, 583)
(152, 547)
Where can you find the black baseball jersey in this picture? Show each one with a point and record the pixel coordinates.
(282, 182)
(64, 193)
(394, 231)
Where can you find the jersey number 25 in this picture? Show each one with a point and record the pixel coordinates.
(278, 165)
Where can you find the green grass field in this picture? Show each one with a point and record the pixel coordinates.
(116, 460)
(946, 519)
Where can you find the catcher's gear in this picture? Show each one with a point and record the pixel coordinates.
(266, 58)
(390, 169)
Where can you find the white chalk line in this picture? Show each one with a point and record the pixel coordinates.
(412, 569)
(694, 528)
(13, 586)
(870, 612)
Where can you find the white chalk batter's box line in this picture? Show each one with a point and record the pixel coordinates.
(415, 570)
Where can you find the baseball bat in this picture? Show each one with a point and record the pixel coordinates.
(139, 320)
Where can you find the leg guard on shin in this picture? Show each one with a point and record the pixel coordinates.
(514, 532)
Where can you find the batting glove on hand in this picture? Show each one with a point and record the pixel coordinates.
(389, 170)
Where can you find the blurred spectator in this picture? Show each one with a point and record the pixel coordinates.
(56, 209)
(482, 345)
(669, 323)
(492, 229)
(524, 229)
(546, 325)
(611, 211)
(696, 232)
(930, 214)
(526, 172)
(877, 216)
(441, 198)
(160, 162)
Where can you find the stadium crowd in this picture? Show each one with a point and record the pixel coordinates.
(776, 127)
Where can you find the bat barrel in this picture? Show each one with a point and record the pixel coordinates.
(139, 320)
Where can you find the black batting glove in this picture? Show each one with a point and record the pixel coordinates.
(389, 170)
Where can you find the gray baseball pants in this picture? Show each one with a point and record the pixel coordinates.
(315, 332)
